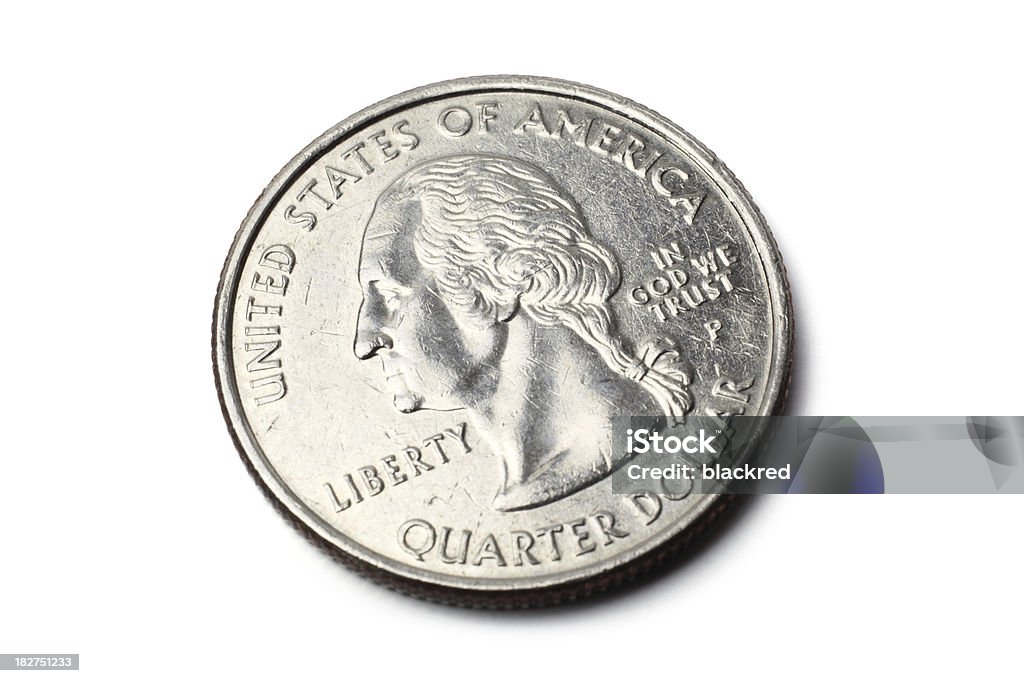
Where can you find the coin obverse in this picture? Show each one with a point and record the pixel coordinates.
(429, 319)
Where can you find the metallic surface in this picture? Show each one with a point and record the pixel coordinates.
(430, 317)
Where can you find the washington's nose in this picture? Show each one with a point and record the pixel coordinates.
(369, 338)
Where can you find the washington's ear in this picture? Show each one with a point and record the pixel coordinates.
(506, 311)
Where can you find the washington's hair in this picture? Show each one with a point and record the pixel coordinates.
(499, 236)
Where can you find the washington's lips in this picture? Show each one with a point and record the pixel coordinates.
(393, 372)
(390, 366)
(387, 369)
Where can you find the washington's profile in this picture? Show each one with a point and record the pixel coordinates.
(483, 290)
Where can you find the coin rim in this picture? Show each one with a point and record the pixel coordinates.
(528, 591)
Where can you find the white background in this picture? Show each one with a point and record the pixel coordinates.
(883, 143)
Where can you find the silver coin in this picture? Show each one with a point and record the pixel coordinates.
(430, 318)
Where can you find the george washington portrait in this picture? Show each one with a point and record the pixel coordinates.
(483, 290)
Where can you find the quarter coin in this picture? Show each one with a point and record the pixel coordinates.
(431, 318)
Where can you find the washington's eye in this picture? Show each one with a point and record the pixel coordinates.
(391, 295)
